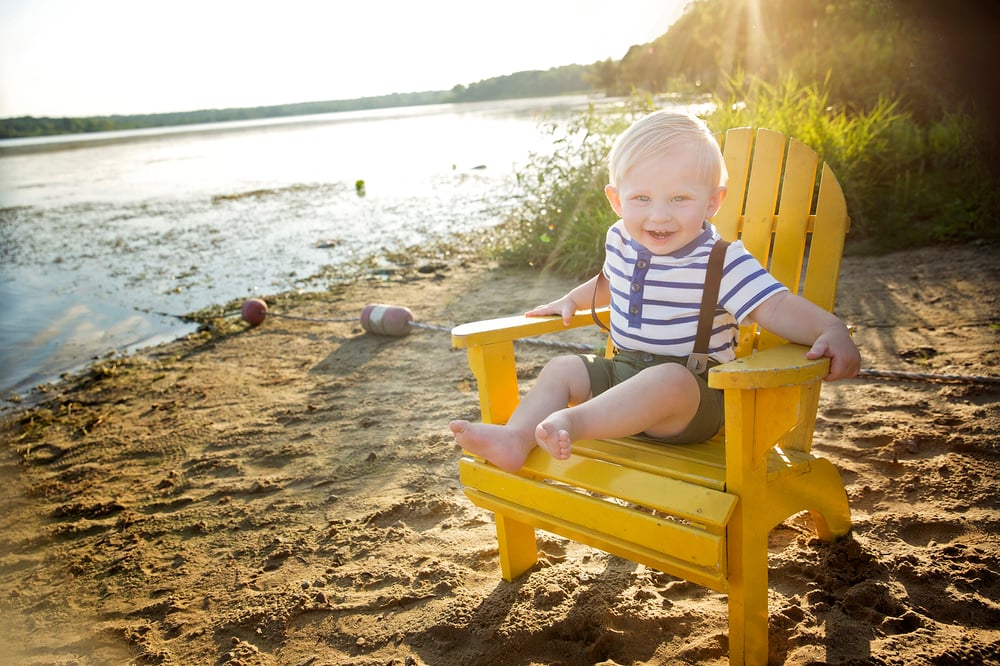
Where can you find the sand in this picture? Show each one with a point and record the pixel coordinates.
(289, 494)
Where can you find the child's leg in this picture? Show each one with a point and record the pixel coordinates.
(563, 381)
(659, 401)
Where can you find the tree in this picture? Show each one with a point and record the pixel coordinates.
(605, 75)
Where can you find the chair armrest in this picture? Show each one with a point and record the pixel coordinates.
(506, 329)
(784, 365)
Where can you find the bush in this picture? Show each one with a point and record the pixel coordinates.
(906, 184)
(856, 145)
(562, 214)
(946, 192)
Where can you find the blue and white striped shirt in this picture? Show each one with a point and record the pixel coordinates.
(656, 299)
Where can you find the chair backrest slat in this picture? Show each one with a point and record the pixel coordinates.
(827, 246)
(736, 150)
(792, 221)
(762, 194)
(793, 227)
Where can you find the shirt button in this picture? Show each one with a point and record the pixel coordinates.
(641, 263)
(633, 310)
(636, 286)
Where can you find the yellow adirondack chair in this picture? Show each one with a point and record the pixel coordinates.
(701, 511)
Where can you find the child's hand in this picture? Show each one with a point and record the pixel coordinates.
(836, 344)
(565, 307)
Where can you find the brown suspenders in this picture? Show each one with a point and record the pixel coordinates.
(698, 360)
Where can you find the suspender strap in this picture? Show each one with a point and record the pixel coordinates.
(698, 360)
(593, 303)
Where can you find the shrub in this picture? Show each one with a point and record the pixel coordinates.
(856, 145)
(562, 214)
(906, 184)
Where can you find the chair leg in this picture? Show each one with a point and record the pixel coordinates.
(518, 548)
(747, 597)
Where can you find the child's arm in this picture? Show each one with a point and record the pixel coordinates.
(578, 298)
(799, 320)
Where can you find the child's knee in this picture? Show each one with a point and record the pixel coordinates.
(673, 375)
(564, 365)
(569, 371)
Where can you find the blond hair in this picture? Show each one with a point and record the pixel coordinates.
(664, 131)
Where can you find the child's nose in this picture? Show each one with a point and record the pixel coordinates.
(662, 211)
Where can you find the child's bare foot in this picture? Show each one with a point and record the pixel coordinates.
(553, 436)
(498, 444)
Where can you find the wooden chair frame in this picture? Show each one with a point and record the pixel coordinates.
(702, 511)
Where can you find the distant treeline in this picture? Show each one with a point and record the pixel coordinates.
(555, 81)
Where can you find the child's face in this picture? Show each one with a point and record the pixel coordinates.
(664, 199)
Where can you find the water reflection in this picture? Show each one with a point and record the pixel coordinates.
(108, 229)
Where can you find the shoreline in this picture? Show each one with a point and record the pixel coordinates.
(100, 235)
(377, 266)
(289, 494)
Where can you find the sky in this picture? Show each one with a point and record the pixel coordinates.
(103, 57)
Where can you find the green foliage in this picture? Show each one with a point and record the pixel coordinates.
(866, 49)
(855, 144)
(869, 84)
(563, 214)
(555, 81)
(942, 188)
(906, 184)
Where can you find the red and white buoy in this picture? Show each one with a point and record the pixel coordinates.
(381, 319)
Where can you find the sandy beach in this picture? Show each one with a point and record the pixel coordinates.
(289, 494)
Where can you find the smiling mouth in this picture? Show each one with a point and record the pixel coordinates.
(660, 235)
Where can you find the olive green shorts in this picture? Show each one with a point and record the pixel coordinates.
(607, 372)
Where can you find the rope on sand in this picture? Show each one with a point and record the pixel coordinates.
(928, 377)
(397, 321)
(322, 321)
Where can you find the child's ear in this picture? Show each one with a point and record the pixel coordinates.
(611, 192)
(715, 200)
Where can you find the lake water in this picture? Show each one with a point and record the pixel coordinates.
(98, 233)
